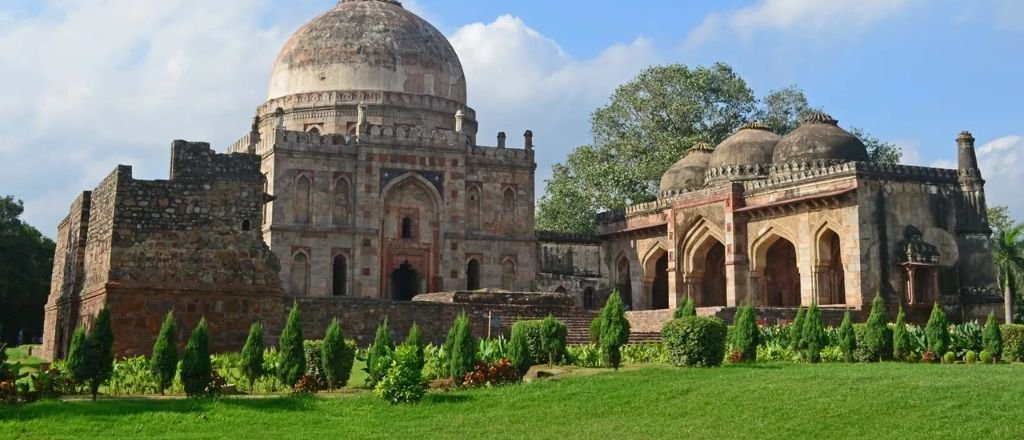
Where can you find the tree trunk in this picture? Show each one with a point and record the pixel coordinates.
(1008, 303)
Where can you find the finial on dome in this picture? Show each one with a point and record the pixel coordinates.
(702, 147)
(754, 125)
(820, 118)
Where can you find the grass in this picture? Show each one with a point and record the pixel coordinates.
(887, 400)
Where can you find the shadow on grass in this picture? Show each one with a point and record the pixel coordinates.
(117, 407)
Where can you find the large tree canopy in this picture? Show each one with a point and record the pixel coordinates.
(648, 124)
(26, 260)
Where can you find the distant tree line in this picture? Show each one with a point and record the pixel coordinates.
(26, 261)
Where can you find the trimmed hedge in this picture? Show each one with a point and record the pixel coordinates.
(1013, 342)
(533, 331)
(695, 341)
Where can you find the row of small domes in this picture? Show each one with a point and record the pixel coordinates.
(754, 147)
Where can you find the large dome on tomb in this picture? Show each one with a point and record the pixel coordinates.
(741, 155)
(369, 45)
(687, 173)
(819, 138)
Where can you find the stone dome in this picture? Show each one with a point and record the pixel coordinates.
(751, 146)
(370, 45)
(819, 138)
(688, 172)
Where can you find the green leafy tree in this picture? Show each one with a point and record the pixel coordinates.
(196, 368)
(877, 337)
(164, 362)
(292, 363)
(519, 348)
(814, 338)
(614, 330)
(745, 335)
(415, 339)
(552, 336)
(901, 347)
(1008, 255)
(378, 357)
(847, 337)
(26, 262)
(461, 348)
(252, 355)
(332, 354)
(878, 151)
(937, 331)
(999, 218)
(796, 330)
(992, 336)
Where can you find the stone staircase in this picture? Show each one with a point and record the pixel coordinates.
(578, 326)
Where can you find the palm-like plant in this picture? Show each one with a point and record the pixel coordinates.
(1008, 255)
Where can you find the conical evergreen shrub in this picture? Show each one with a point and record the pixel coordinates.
(101, 351)
(614, 330)
(164, 362)
(292, 363)
(937, 331)
(519, 348)
(415, 339)
(901, 345)
(378, 357)
(877, 338)
(461, 348)
(745, 335)
(333, 355)
(847, 337)
(813, 338)
(252, 355)
(77, 361)
(196, 369)
(992, 337)
(796, 330)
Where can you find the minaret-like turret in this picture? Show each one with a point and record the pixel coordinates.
(973, 216)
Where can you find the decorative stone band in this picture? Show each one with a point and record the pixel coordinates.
(737, 172)
(796, 172)
(634, 210)
(368, 97)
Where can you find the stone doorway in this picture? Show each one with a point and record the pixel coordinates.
(782, 279)
(473, 275)
(405, 282)
(659, 287)
(713, 280)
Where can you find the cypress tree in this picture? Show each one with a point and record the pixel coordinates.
(614, 330)
(292, 364)
(937, 331)
(415, 339)
(901, 338)
(196, 369)
(813, 338)
(252, 355)
(992, 337)
(461, 348)
(745, 335)
(519, 349)
(378, 357)
(877, 338)
(847, 337)
(77, 362)
(796, 330)
(101, 351)
(332, 354)
(164, 362)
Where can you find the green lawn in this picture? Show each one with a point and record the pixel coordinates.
(761, 401)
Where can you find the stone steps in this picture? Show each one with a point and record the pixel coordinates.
(578, 328)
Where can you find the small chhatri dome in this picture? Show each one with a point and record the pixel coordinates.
(752, 144)
(819, 138)
(688, 172)
(369, 45)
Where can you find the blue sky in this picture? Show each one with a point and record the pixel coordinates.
(89, 84)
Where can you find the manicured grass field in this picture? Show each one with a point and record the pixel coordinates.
(760, 401)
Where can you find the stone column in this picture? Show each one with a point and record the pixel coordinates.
(736, 263)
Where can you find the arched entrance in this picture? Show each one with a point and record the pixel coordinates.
(473, 275)
(703, 265)
(829, 276)
(404, 282)
(299, 277)
(712, 283)
(659, 285)
(339, 276)
(782, 279)
(623, 282)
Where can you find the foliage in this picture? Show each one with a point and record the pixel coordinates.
(587, 356)
(878, 151)
(929, 357)
(847, 338)
(966, 336)
(614, 330)
(491, 350)
(877, 336)
(134, 376)
(54, 382)
(495, 373)
(196, 369)
(1013, 342)
(460, 347)
(796, 330)
(986, 357)
(337, 357)
(999, 218)
(78, 356)
(646, 353)
(949, 358)
(415, 339)
(552, 337)
(26, 262)
(687, 308)
(307, 385)
(435, 362)
(101, 351)
(901, 347)
(164, 362)
(992, 338)
(813, 338)
(937, 330)
(744, 339)
(595, 330)
(695, 341)
(378, 357)
(774, 335)
(971, 357)
(403, 381)
(251, 364)
(1008, 256)
(519, 349)
(312, 350)
(292, 364)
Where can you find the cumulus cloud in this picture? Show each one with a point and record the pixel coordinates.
(809, 18)
(1001, 161)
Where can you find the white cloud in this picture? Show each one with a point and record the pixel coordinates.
(808, 18)
(1002, 161)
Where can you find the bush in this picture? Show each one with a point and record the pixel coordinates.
(415, 339)
(986, 357)
(133, 376)
(900, 338)
(519, 349)
(937, 330)
(164, 362)
(695, 341)
(306, 385)
(251, 362)
(877, 336)
(336, 356)
(796, 330)
(614, 330)
(647, 353)
(5, 373)
(52, 383)
(91, 356)
(77, 360)
(595, 330)
(552, 338)
(847, 338)
(929, 357)
(292, 364)
(403, 381)
(196, 370)
(461, 348)
(813, 338)
(378, 357)
(949, 358)
(744, 338)
(971, 357)
(992, 338)
(687, 308)
(1013, 341)
(312, 350)
(587, 356)
(494, 373)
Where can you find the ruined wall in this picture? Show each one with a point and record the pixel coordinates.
(572, 264)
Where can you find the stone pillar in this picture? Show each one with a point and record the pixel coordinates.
(501, 139)
(528, 140)
(737, 272)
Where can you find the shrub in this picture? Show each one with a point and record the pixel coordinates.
(435, 362)
(813, 338)
(971, 357)
(552, 337)
(133, 376)
(292, 364)
(937, 330)
(877, 336)
(101, 351)
(415, 339)
(5, 373)
(53, 383)
(196, 370)
(494, 373)
(595, 330)
(744, 338)
(614, 330)
(929, 357)
(77, 360)
(306, 385)
(336, 357)
(949, 358)
(900, 338)
(695, 341)
(251, 365)
(461, 348)
(587, 356)
(647, 353)
(1013, 341)
(519, 349)
(847, 338)
(312, 351)
(164, 362)
(403, 381)
(796, 330)
(378, 357)
(986, 357)
(992, 338)
(491, 350)
(687, 308)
